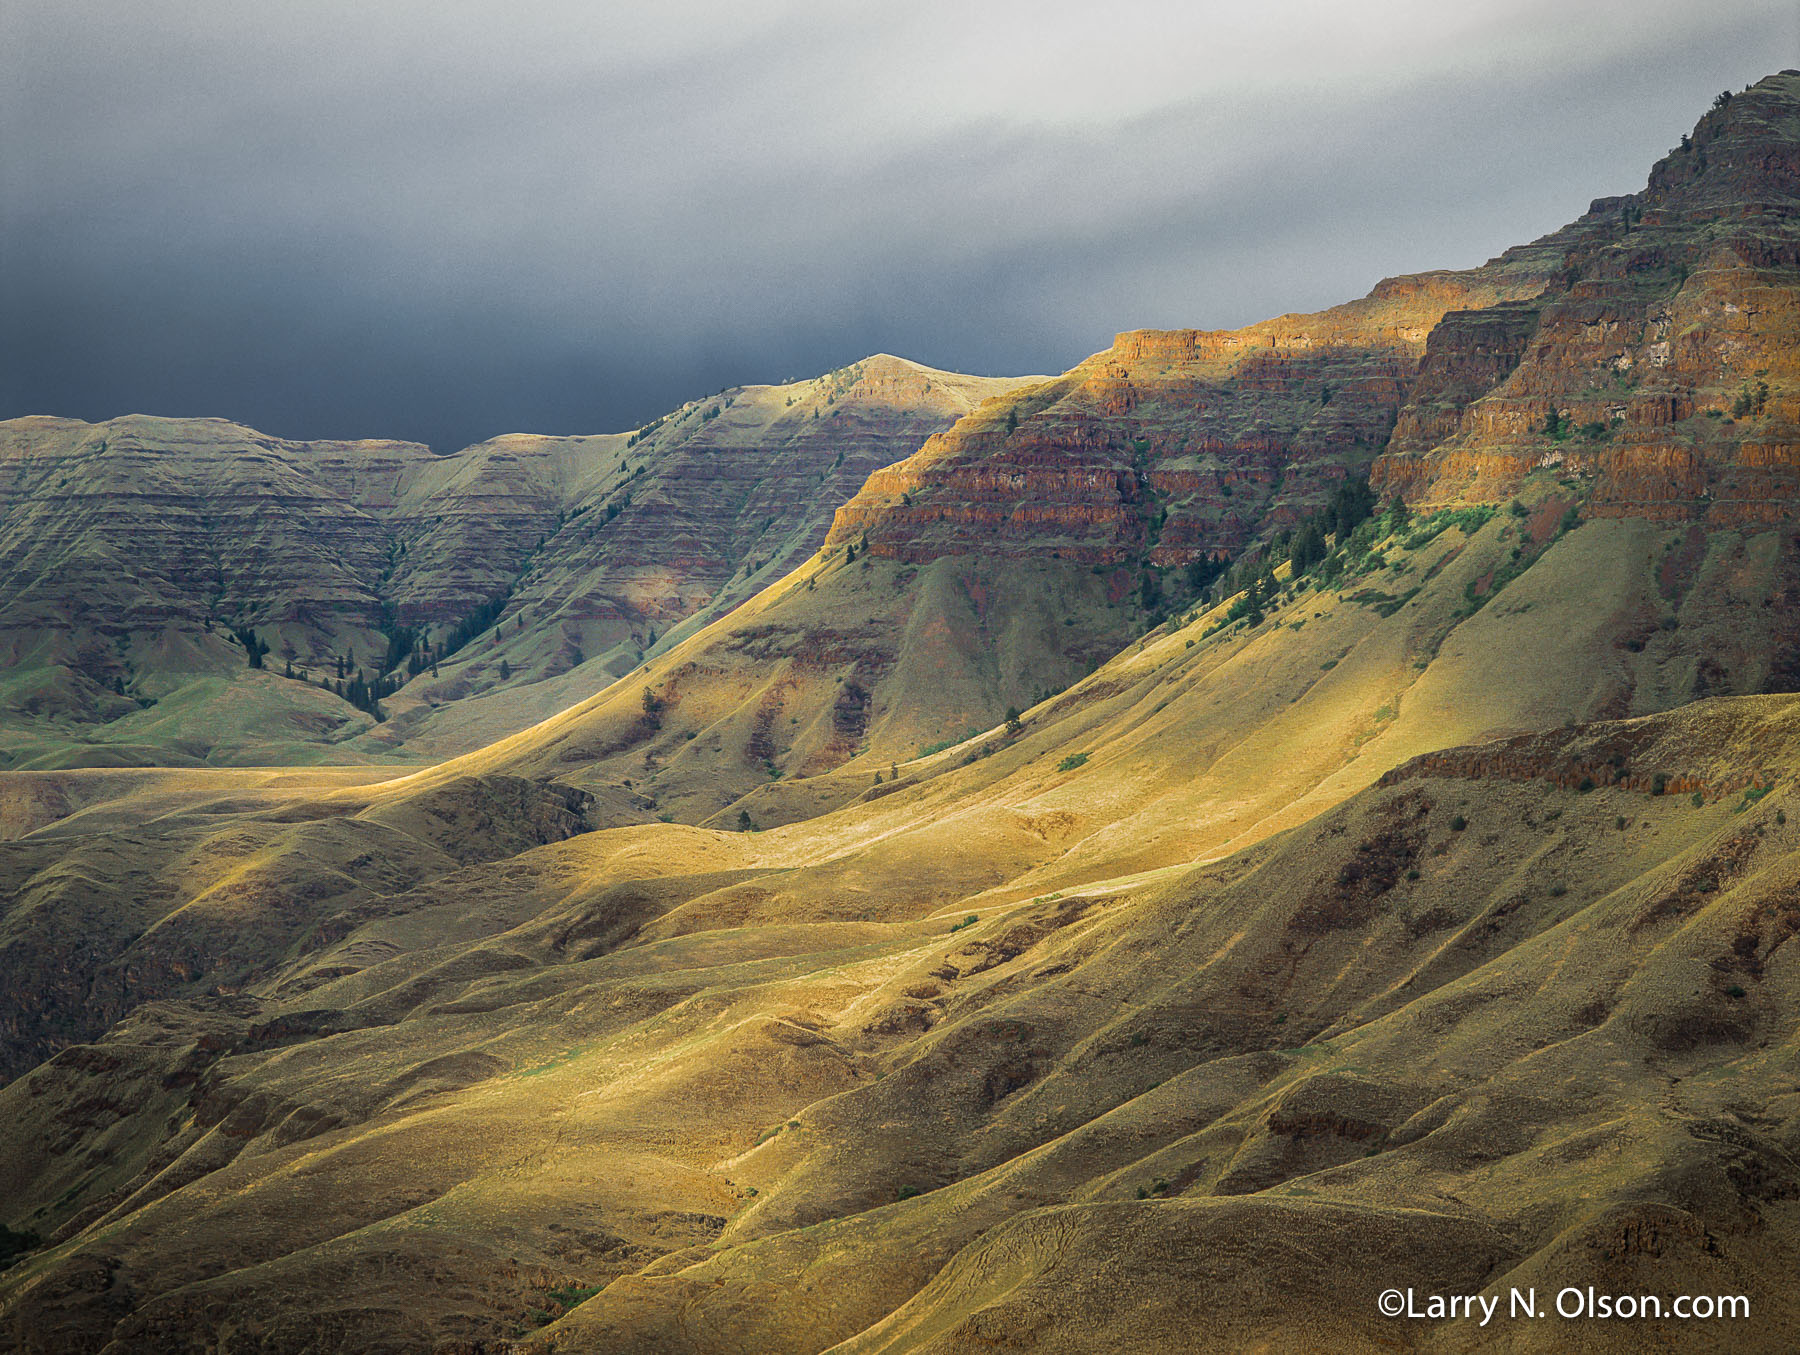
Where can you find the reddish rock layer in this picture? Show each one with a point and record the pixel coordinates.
(1615, 350)
(1661, 369)
(1172, 445)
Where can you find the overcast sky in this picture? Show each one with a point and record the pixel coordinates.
(444, 221)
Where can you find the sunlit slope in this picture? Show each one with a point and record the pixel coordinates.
(1201, 738)
(1445, 628)
(1494, 1027)
(122, 888)
(1467, 1029)
(841, 660)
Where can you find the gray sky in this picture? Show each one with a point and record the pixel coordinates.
(444, 221)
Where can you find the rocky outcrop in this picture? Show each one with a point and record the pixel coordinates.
(1646, 349)
(1178, 444)
(1659, 370)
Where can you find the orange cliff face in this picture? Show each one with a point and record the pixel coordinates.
(1646, 349)
(1174, 445)
(1661, 367)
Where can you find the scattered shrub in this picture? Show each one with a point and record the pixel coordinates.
(16, 1244)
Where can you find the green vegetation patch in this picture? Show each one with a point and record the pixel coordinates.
(951, 742)
(549, 1065)
(1384, 604)
(1071, 762)
(1751, 796)
(559, 1301)
(1427, 529)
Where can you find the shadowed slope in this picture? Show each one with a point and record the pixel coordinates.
(133, 550)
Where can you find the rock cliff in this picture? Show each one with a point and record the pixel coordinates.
(1172, 445)
(1658, 368)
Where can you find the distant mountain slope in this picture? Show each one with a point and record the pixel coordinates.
(130, 551)
(710, 504)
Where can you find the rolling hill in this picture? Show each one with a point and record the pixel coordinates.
(1369, 890)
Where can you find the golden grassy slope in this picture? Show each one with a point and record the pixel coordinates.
(758, 1084)
(1563, 1052)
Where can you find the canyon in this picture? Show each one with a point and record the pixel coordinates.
(1019, 898)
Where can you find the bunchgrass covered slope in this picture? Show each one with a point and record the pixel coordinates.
(1007, 1050)
(1420, 916)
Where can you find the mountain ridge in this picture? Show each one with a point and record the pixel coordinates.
(328, 551)
(1414, 883)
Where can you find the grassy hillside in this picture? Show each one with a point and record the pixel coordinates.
(1206, 960)
(1399, 900)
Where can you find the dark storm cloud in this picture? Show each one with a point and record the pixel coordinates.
(445, 221)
